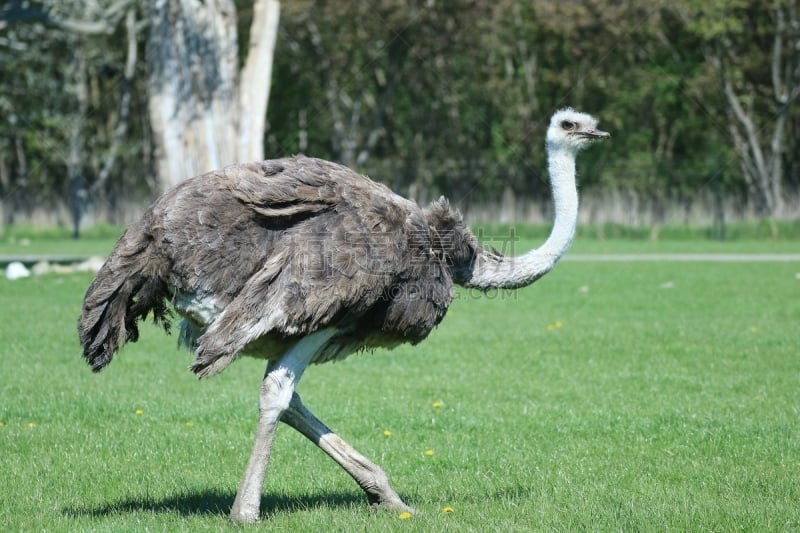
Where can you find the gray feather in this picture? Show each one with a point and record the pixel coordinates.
(281, 249)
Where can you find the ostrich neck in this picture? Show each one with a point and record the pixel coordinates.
(492, 271)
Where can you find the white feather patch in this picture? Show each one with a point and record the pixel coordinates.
(201, 309)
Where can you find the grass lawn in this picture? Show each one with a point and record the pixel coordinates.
(747, 238)
(607, 396)
(99, 246)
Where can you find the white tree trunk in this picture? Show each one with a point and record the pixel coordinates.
(762, 161)
(255, 80)
(201, 116)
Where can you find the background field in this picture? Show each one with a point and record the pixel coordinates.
(753, 237)
(656, 396)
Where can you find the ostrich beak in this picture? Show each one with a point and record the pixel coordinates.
(596, 134)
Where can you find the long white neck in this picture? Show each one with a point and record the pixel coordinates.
(491, 271)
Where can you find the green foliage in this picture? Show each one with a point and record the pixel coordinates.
(633, 397)
(436, 97)
(45, 68)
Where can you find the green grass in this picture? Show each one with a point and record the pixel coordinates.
(608, 396)
(17, 240)
(46, 244)
(748, 230)
(753, 237)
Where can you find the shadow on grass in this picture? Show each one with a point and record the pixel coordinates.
(215, 503)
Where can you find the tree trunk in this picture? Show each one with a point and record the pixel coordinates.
(202, 117)
(762, 161)
(256, 76)
(75, 160)
(124, 105)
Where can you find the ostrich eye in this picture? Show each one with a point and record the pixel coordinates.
(568, 125)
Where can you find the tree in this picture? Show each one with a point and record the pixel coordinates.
(448, 97)
(754, 46)
(79, 133)
(206, 111)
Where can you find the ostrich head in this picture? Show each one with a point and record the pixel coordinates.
(572, 131)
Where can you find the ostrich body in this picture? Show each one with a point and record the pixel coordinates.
(300, 261)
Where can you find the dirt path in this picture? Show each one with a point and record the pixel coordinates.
(710, 257)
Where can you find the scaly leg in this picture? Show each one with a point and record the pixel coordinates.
(277, 389)
(369, 476)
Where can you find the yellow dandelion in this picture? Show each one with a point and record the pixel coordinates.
(753, 329)
(437, 404)
(139, 412)
(387, 433)
(31, 425)
(2, 424)
(448, 510)
(559, 324)
(189, 424)
(405, 515)
(429, 453)
(550, 327)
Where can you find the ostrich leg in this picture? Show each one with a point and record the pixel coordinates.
(369, 476)
(277, 389)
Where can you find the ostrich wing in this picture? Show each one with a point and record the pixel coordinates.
(286, 187)
(338, 244)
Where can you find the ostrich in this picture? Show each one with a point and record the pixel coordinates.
(300, 261)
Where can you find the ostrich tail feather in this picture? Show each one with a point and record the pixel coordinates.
(126, 289)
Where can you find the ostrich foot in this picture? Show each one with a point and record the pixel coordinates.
(369, 476)
(242, 515)
(391, 504)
